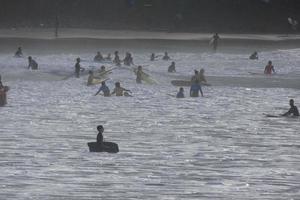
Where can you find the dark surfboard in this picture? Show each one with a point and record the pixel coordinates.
(109, 147)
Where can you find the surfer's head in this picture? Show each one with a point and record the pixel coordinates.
(100, 128)
(291, 102)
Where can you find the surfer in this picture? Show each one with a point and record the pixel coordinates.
(172, 67)
(128, 60)
(253, 56)
(78, 68)
(102, 69)
(139, 74)
(194, 91)
(269, 68)
(201, 77)
(152, 57)
(214, 41)
(120, 91)
(180, 94)
(195, 77)
(293, 110)
(98, 57)
(108, 57)
(3, 90)
(117, 60)
(32, 63)
(104, 89)
(166, 56)
(90, 78)
(100, 129)
(19, 53)
(1, 85)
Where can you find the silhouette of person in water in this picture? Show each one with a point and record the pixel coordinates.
(100, 129)
(180, 94)
(32, 63)
(215, 41)
(19, 53)
(269, 68)
(293, 110)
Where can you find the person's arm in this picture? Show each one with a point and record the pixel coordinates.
(100, 89)
(265, 71)
(29, 65)
(288, 112)
(126, 90)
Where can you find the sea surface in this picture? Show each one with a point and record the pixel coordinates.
(220, 146)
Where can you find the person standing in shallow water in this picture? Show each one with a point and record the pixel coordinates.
(100, 129)
(78, 68)
(120, 91)
(180, 94)
(269, 68)
(32, 63)
(139, 74)
(19, 53)
(215, 41)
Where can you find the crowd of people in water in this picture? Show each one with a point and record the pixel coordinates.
(197, 80)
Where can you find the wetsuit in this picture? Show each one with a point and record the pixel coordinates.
(105, 90)
(171, 68)
(293, 110)
(166, 57)
(128, 60)
(33, 65)
(117, 60)
(98, 58)
(100, 138)
(19, 53)
(180, 95)
(215, 42)
(253, 57)
(77, 69)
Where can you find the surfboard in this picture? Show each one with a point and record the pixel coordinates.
(146, 77)
(186, 83)
(109, 147)
(98, 81)
(273, 116)
(104, 73)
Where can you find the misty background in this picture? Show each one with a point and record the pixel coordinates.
(239, 16)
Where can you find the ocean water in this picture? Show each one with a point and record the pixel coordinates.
(220, 146)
